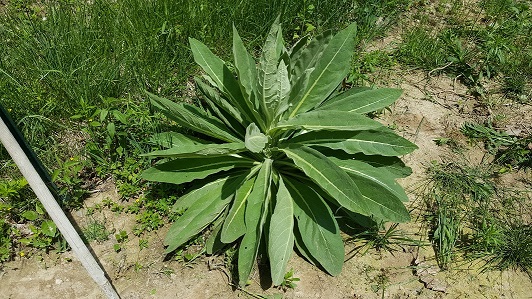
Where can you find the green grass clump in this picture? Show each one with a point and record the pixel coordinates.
(472, 217)
(513, 151)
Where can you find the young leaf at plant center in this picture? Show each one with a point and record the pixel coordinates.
(255, 139)
(281, 235)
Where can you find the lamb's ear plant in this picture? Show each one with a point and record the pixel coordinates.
(280, 152)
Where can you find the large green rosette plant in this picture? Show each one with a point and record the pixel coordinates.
(279, 153)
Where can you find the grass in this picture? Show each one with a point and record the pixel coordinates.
(471, 217)
(492, 41)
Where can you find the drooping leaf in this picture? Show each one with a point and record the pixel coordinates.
(318, 228)
(249, 246)
(331, 68)
(364, 171)
(392, 166)
(234, 225)
(331, 178)
(268, 81)
(171, 139)
(207, 206)
(200, 189)
(255, 140)
(281, 236)
(378, 142)
(183, 170)
(329, 121)
(362, 102)
(381, 194)
(193, 118)
(308, 56)
(199, 150)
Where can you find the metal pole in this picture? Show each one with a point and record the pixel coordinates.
(42, 191)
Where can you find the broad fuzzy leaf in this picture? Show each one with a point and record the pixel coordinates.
(222, 108)
(183, 170)
(363, 170)
(199, 150)
(234, 225)
(331, 68)
(255, 141)
(379, 142)
(246, 69)
(171, 139)
(191, 117)
(213, 243)
(328, 176)
(222, 77)
(381, 194)
(249, 246)
(306, 57)
(207, 206)
(269, 83)
(329, 121)
(362, 102)
(281, 236)
(317, 226)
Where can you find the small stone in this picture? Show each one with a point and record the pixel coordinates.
(58, 281)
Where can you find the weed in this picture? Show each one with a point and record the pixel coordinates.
(289, 281)
(96, 231)
(121, 238)
(472, 216)
(508, 150)
(389, 239)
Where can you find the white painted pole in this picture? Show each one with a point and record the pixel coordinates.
(54, 210)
